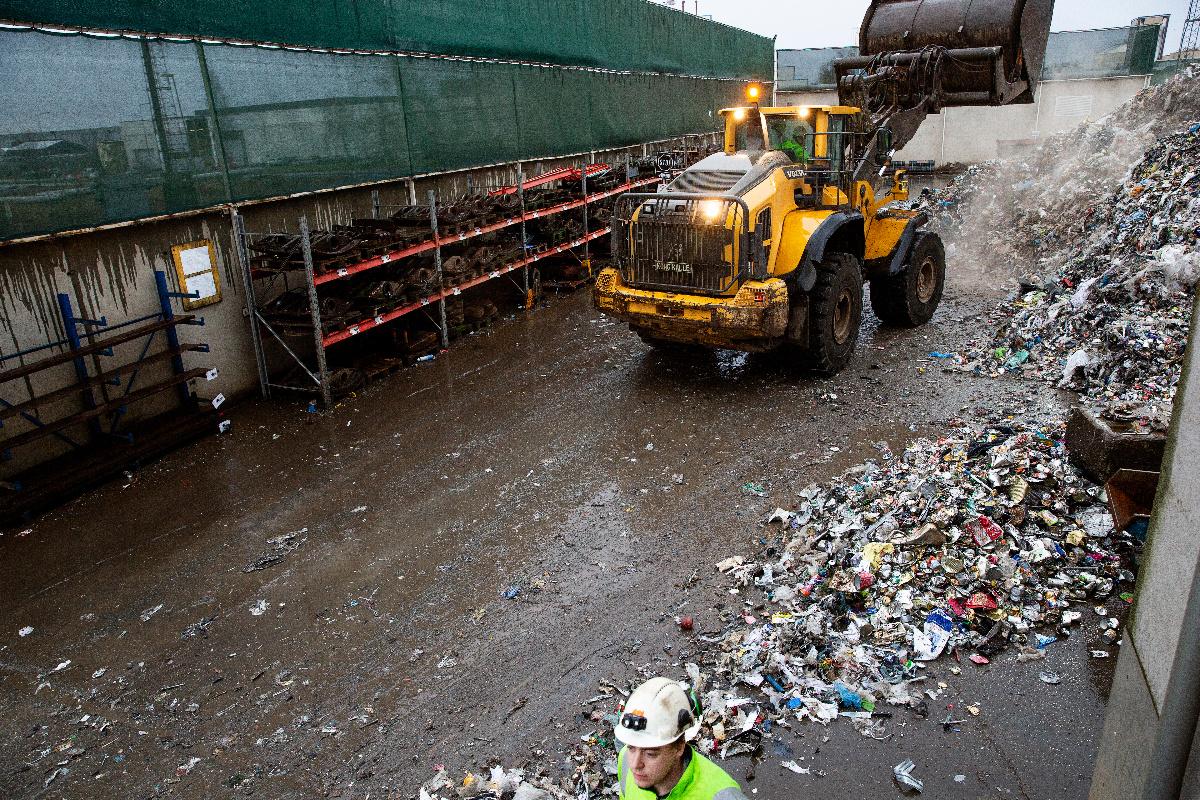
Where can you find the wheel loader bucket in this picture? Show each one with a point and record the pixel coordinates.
(995, 48)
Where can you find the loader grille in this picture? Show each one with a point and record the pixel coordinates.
(673, 245)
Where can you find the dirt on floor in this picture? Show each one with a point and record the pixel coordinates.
(441, 570)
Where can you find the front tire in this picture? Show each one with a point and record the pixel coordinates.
(909, 298)
(835, 314)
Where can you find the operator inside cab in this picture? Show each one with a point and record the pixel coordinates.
(659, 721)
(792, 136)
(788, 134)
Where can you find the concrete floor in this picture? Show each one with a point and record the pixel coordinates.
(383, 646)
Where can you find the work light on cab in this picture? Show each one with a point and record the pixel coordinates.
(753, 92)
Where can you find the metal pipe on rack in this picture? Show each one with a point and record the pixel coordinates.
(525, 268)
(70, 328)
(314, 306)
(587, 261)
(437, 267)
(171, 332)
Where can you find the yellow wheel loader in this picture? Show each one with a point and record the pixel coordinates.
(768, 243)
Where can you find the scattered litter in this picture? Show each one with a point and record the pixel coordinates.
(280, 547)
(150, 612)
(186, 767)
(902, 774)
(199, 629)
(28, 629)
(1051, 678)
(796, 768)
(259, 608)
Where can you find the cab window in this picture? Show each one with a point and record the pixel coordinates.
(748, 133)
(792, 135)
(837, 142)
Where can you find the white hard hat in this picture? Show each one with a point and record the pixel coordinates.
(657, 713)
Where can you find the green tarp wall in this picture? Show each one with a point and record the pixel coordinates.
(100, 130)
(616, 34)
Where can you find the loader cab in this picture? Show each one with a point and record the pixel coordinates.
(818, 133)
(817, 138)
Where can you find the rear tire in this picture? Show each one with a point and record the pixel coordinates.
(909, 298)
(836, 305)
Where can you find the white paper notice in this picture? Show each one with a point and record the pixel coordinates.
(195, 260)
(202, 283)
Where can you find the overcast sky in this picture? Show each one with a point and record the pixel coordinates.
(830, 23)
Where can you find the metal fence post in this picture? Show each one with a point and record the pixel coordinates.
(243, 254)
(70, 327)
(524, 253)
(587, 261)
(314, 307)
(437, 265)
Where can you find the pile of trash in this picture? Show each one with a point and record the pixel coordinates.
(984, 544)
(510, 784)
(1005, 214)
(958, 550)
(1108, 309)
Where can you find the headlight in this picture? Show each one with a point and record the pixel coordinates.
(739, 114)
(711, 209)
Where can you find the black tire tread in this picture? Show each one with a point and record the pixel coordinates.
(824, 356)
(893, 297)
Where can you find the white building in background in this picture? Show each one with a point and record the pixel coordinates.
(1087, 75)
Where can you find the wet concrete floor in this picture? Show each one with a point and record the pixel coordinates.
(541, 456)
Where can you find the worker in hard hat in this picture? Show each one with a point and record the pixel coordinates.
(659, 721)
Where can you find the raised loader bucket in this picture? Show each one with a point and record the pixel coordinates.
(995, 48)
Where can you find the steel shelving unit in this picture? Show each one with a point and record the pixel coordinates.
(433, 304)
(98, 437)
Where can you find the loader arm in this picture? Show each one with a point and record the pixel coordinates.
(918, 57)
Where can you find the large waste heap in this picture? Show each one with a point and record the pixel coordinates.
(1106, 279)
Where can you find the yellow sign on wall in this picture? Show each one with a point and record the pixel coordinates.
(196, 268)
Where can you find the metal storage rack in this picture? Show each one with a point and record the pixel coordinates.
(105, 394)
(430, 304)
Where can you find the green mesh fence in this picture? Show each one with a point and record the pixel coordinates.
(100, 130)
(618, 34)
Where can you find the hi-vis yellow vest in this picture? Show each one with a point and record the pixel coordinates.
(702, 780)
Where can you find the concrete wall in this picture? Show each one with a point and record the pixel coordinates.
(971, 135)
(109, 273)
(1150, 728)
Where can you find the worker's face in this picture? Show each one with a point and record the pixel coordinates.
(652, 766)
